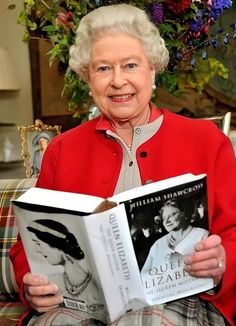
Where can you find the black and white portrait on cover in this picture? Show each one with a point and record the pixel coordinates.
(63, 259)
(181, 235)
(165, 224)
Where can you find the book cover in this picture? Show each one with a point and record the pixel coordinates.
(135, 249)
(164, 227)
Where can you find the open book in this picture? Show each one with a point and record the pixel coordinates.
(122, 259)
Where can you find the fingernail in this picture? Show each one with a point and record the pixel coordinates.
(198, 247)
(187, 260)
(42, 280)
(55, 287)
(187, 268)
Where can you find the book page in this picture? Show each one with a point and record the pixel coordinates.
(155, 187)
(87, 203)
(60, 199)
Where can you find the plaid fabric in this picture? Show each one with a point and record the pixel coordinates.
(9, 189)
(191, 311)
(186, 312)
(11, 310)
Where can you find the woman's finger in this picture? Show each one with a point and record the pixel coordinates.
(211, 242)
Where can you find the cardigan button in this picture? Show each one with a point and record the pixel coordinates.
(143, 154)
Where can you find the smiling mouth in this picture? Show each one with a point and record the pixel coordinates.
(121, 98)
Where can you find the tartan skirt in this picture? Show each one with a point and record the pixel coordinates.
(191, 311)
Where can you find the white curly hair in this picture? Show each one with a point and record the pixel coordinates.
(113, 20)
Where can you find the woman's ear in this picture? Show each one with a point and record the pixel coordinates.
(153, 74)
(153, 71)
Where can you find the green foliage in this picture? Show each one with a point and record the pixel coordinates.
(57, 21)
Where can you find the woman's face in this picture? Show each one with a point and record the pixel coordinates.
(171, 218)
(120, 77)
(42, 143)
(53, 255)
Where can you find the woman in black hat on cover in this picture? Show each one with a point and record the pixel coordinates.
(60, 247)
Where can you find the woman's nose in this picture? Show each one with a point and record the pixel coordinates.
(168, 218)
(118, 78)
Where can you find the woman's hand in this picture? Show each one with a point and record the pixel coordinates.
(40, 294)
(208, 259)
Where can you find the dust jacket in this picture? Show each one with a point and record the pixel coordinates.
(122, 259)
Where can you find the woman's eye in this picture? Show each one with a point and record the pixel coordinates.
(103, 68)
(131, 66)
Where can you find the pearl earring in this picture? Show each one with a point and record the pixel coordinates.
(154, 86)
(90, 93)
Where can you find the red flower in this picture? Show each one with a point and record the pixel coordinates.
(65, 19)
(178, 6)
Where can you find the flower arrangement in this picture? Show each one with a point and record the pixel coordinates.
(189, 28)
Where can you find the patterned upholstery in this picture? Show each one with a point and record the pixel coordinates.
(9, 189)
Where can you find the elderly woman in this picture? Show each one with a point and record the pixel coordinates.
(118, 51)
(180, 239)
(41, 141)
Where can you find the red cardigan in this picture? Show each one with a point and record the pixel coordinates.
(85, 160)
